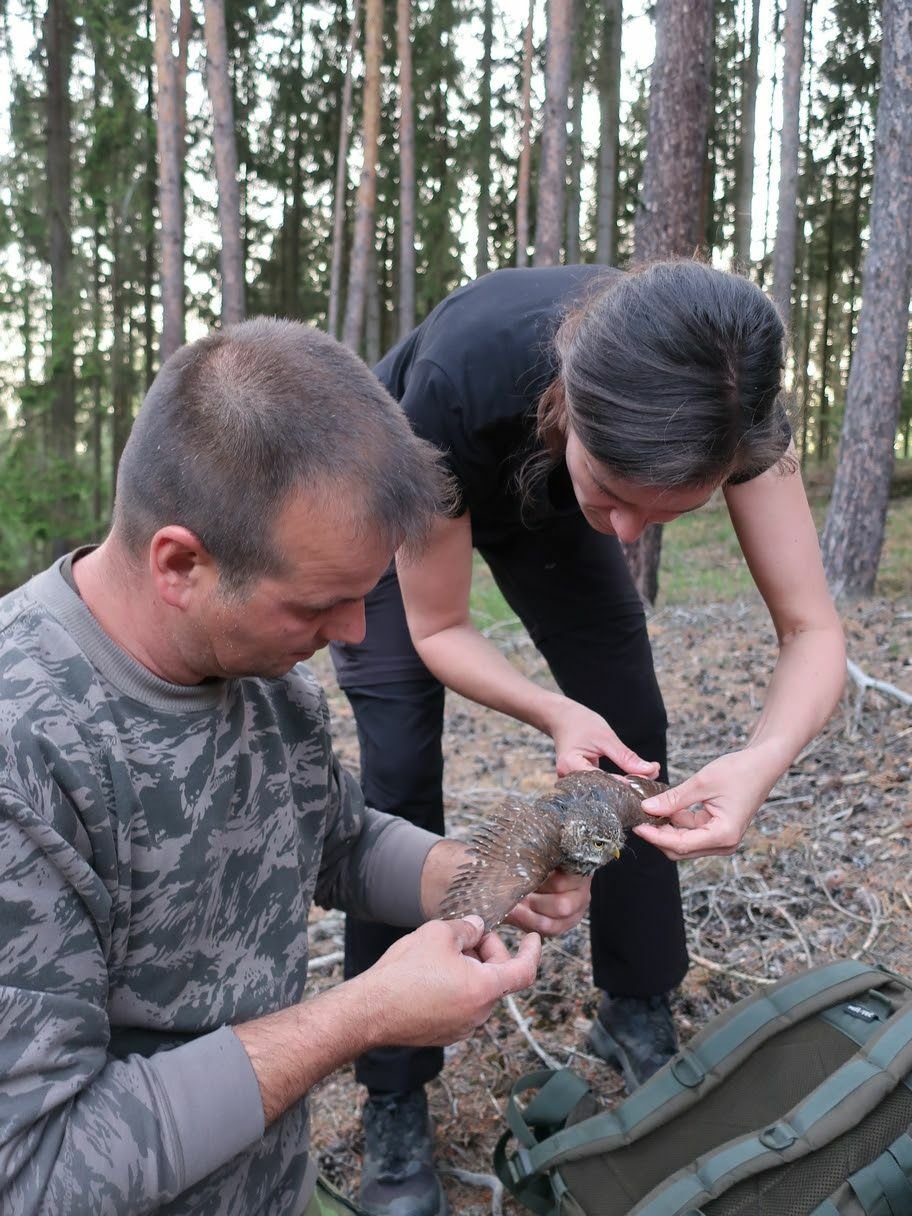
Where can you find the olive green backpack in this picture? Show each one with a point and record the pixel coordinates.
(796, 1101)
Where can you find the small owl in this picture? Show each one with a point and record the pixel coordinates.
(579, 827)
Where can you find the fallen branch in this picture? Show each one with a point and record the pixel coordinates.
(325, 961)
(865, 682)
(472, 1179)
(730, 971)
(526, 1033)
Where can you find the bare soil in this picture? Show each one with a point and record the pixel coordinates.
(823, 873)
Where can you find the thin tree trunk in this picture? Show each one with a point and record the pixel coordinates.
(218, 78)
(669, 220)
(59, 36)
(854, 532)
(787, 211)
(553, 169)
(609, 77)
(823, 418)
(525, 148)
(765, 268)
(406, 170)
(169, 124)
(365, 207)
(575, 167)
(484, 143)
(340, 198)
(744, 194)
(151, 201)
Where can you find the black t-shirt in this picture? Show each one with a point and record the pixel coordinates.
(469, 379)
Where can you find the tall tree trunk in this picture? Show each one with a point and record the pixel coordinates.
(169, 125)
(765, 268)
(59, 37)
(150, 203)
(365, 207)
(575, 167)
(823, 418)
(744, 189)
(525, 148)
(552, 172)
(484, 143)
(609, 83)
(787, 211)
(669, 220)
(856, 519)
(340, 197)
(406, 170)
(218, 78)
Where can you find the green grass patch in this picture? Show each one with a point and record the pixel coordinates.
(702, 561)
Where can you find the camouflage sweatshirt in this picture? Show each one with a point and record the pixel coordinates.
(160, 847)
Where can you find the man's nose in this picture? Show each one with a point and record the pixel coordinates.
(347, 622)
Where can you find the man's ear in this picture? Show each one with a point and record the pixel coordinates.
(180, 564)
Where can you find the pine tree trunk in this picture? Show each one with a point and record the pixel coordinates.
(365, 206)
(609, 78)
(669, 220)
(856, 519)
(406, 170)
(553, 169)
(744, 189)
(484, 143)
(525, 148)
(823, 420)
(340, 197)
(787, 211)
(169, 124)
(575, 168)
(218, 79)
(59, 36)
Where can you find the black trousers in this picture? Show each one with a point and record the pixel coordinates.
(571, 588)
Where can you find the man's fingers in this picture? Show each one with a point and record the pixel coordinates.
(491, 949)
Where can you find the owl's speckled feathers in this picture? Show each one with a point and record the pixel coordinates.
(580, 826)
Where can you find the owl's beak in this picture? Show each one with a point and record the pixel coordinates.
(617, 852)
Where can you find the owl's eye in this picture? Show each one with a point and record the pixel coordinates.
(600, 844)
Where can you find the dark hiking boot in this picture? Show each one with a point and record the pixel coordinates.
(634, 1033)
(397, 1173)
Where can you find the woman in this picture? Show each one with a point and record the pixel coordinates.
(575, 406)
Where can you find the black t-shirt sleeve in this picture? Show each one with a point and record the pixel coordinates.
(437, 413)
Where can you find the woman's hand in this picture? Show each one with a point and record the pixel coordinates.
(581, 737)
(710, 811)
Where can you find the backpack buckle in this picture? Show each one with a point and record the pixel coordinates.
(778, 1137)
(687, 1070)
(520, 1166)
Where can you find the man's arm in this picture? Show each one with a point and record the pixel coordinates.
(432, 987)
(130, 1134)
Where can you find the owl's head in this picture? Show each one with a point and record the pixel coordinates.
(591, 836)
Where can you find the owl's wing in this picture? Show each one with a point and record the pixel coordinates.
(510, 855)
(622, 795)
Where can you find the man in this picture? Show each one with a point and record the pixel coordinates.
(170, 805)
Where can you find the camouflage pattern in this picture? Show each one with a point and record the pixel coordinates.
(327, 1201)
(160, 847)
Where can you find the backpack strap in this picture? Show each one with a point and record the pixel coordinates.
(836, 1105)
(711, 1056)
(884, 1187)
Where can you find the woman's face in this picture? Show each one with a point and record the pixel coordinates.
(623, 508)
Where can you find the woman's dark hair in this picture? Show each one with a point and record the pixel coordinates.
(670, 375)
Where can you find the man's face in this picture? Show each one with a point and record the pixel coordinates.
(283, 619)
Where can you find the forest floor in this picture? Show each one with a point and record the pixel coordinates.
(822, 874)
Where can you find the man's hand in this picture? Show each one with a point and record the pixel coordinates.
(438, 984)
(559, 903)
(729, 790)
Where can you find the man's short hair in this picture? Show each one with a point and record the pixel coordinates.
(236, 422)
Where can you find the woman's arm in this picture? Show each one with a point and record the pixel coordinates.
(776, 532)
(436, 596)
